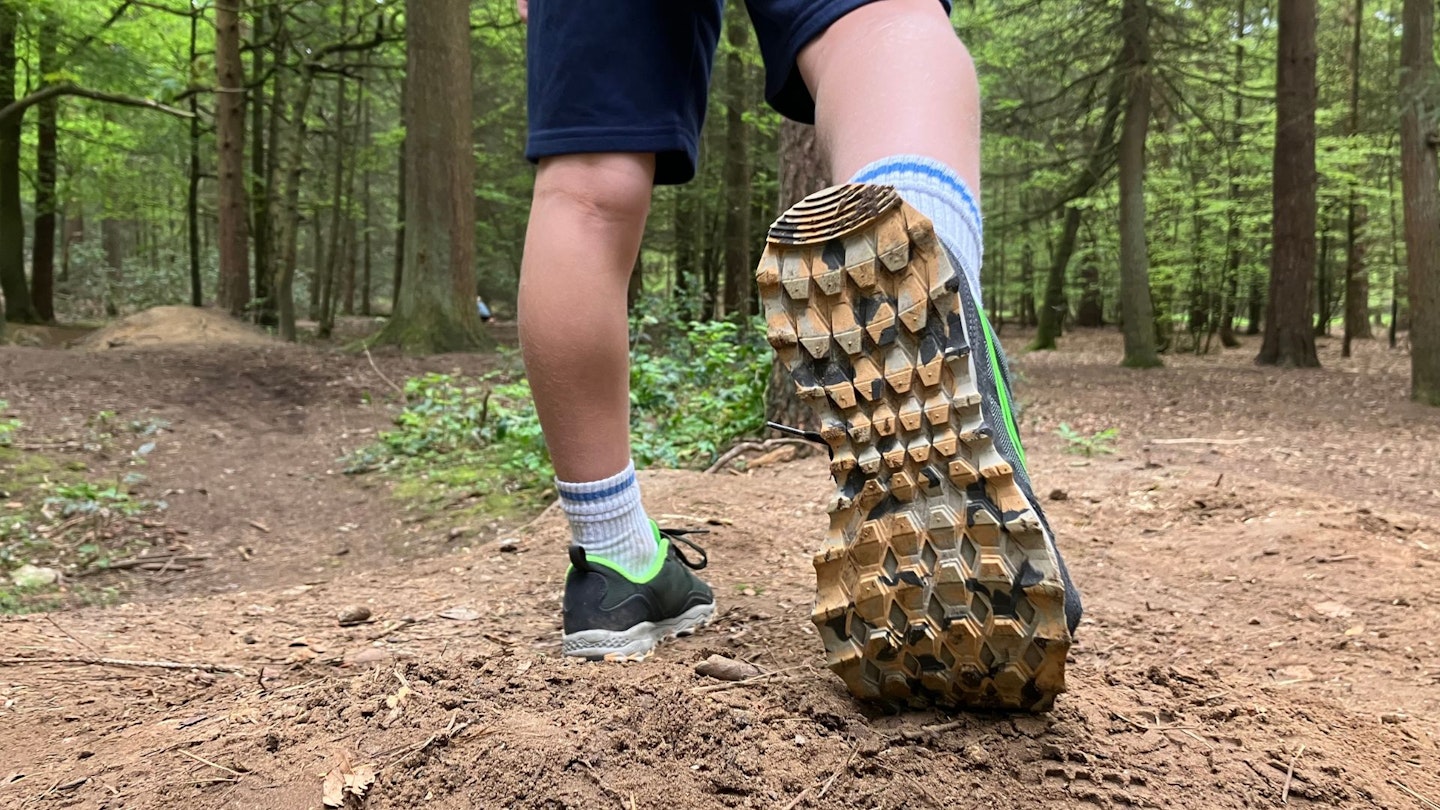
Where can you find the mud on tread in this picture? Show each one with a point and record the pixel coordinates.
(935, 583)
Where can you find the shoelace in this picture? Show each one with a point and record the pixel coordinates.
(678, 536)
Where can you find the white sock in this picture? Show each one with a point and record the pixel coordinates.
(607, 520)
(936, 191)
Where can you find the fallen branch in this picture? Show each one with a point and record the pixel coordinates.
(1246, 440)
(388, 381)
(752, 447)
(88, 660)
(720, 687)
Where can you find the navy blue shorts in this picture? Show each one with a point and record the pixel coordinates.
(632, 75)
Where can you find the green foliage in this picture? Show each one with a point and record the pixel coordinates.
(1099, 443)
(695, 388)
(8, 425)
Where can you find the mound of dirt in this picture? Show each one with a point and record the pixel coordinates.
(172, 326)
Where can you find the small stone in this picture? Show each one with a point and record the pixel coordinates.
(370, 655)
(1394, 718)
(509, 545)
(1059, 495)
(30, 576)
(1254, 621)
(354, 614)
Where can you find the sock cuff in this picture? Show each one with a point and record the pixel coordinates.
(919, 173)
(600, 500)
(939, 193)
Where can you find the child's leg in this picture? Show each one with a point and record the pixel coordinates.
(585, 226)
(891, 78)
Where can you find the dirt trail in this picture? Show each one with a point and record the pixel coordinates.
(1267, 588)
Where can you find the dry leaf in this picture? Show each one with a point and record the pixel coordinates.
(396, 704)
(1332, 610)
(333, 793)
(349, 780)
(460, 614)
(726, 669)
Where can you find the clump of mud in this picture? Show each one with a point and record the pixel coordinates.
(175, 326)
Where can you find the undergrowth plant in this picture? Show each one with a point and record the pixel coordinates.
(694, 388)
(8, 426)
(1099, 443)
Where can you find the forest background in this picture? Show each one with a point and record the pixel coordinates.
(1192, 172)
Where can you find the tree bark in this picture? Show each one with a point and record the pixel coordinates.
(1357, 281)
(1420, 179)
(233, 293)
(260, 217)
(1053, 308)
(18, 306)
(192, 200)
(42, 270)
(802, 172)
(289, 235)
(1231, 291)
(436, 309)
(739, 281)
(1137, 309)
(1289, 331)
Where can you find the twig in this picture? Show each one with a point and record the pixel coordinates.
(1290, 776)
(204, 761)
(1416, 796)
(388, 381)
(1245, 440)
(748, 447)
(51, 619)
(120, 662)
(799, 797)
(829, 783)
(914, 734)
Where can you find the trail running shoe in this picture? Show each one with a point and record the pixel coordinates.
(939, 580)
(609, 616)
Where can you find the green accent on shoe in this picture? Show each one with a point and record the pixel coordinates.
(663, 545)
(1000, 388)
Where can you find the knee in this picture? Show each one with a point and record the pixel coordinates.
(607, 189)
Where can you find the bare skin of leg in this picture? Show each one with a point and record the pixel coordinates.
(891, 78)
(585, 227)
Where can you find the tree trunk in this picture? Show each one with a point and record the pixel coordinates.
(687, 248)
(233, 294)
(352, 242)
(1231, 286)
(289, 235)
(369, 204)
(802, 172)
(1090, 312)
(1137, 309)
(1026, 316)
(400, 209)
(1052, 311)
(259, 191)
(18, 306)
(192, 200)
(1357, 281)
(436, 309)
(739, 281)
(1419, 103)
(112, 239)
(42, 271)
(1289, 333)
(337, 197)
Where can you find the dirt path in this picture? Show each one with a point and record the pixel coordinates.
(1260, 619)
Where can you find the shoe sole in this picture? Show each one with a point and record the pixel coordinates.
(639, 641)
(936, 583)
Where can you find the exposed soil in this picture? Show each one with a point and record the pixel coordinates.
(1259, 630)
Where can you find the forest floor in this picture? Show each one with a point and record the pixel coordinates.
(1259, 559)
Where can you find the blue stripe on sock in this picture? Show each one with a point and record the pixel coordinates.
(609, 492)
(929, 171)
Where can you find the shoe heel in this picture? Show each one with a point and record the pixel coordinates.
(936, 583)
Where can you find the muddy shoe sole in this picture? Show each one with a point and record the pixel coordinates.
(936, 583)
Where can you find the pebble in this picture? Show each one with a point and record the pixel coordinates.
(354, 614)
